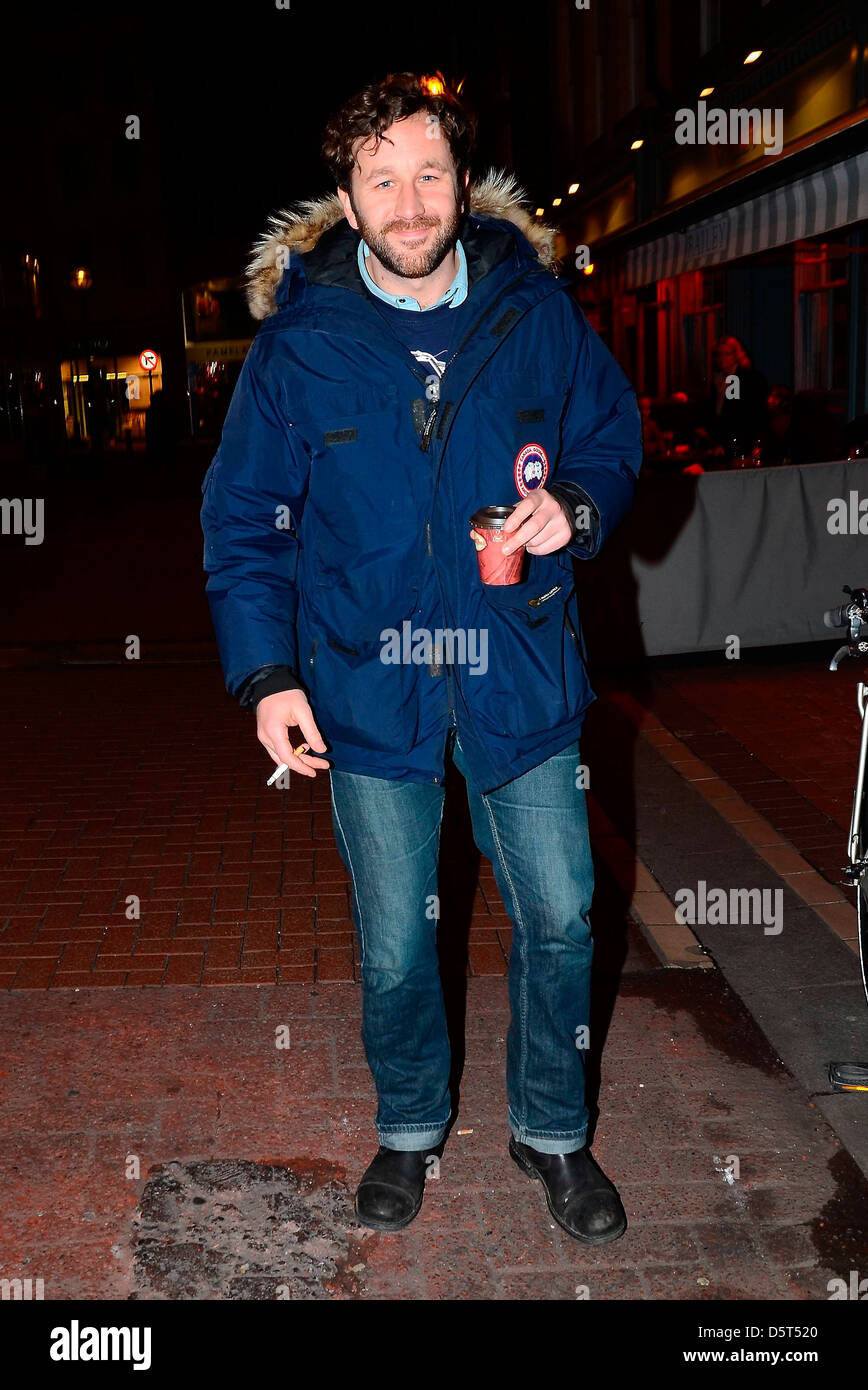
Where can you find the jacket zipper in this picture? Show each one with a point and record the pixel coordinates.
(427, 436)
(435, 665)
(535, 602)
(428, 430)
(453, 722)
(424, 445)
(429, 426)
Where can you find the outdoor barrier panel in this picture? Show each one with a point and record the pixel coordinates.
(758, 554)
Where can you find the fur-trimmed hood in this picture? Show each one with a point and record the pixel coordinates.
(497, 194)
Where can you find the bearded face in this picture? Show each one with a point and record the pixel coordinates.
(405, 199)
(411, 250)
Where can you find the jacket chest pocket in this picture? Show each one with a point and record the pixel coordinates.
(355, 437)
(518, 428)
(343, 414)
(360, 500)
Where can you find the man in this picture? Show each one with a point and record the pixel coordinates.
(417, 361)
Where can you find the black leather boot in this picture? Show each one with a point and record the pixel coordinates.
(391, 1190)
(579, 1195)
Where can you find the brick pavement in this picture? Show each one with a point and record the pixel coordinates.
(107, 1093)
(781, 729)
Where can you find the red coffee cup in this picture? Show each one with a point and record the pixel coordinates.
(487, 535)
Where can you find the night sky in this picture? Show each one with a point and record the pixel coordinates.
(236, 98)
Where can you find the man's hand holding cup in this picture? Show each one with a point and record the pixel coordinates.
(539, 523)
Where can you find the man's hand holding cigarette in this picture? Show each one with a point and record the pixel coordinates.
(275, 715)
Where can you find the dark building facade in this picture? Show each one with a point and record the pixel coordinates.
(83, 268)
(720, 155)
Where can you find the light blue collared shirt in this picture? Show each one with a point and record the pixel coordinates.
(455, 295)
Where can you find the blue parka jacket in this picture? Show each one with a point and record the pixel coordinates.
(337, 508)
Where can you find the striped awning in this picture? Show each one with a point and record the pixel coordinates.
(818, 203)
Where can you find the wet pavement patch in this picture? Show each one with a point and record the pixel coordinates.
(716, 1011)
(237, 1229)
(838, 1232)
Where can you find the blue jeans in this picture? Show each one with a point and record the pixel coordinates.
(534, 830)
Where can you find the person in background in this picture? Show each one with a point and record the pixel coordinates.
(98, 410)
(778, 438)
(855, 435)
(653, 443)
(737, 399)
(801, 428)
(160, 438)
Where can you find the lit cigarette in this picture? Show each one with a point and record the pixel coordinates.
(284, 767)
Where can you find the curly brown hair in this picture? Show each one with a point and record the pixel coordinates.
(373, 109)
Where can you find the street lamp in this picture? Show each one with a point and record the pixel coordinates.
(80, 280)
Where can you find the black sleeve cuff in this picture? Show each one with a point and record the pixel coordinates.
(571, 496)
(268, 680)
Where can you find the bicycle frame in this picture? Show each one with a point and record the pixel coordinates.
(846, 1076)
(855, 845)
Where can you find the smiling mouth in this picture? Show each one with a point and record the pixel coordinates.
(413, 236)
